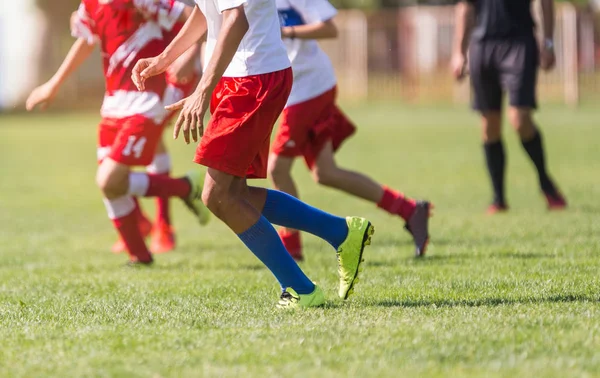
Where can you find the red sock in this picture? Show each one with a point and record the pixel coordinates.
(138, 211)
(132, 237)
(165, 186)
(395, 203)
(162, 205)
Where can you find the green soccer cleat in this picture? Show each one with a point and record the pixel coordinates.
(194, 199)
(350, 253)
(290, 299)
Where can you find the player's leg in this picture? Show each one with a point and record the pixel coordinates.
(163, 237)
(349, 236)
(132, 142)
(519, 77)
(280, 168)
(112, 179)
(487, 100)
(416, 214)
(224, 195)
(240, 206)
(495, 158)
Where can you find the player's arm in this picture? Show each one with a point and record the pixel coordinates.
(318, 17)
(192, 32)
(319, 30)
(45, 93)
(464, 20)
(191, 119)
(547, 58)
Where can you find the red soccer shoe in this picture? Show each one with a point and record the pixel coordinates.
(496, 208)
(145, 228)
(162, 239)
(292, 242)
(556, 201)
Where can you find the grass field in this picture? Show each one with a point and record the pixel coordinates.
(511, 295)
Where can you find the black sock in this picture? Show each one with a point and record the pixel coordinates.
(496, 163)
(535, 150)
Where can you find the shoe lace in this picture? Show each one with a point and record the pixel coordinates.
(287, 298)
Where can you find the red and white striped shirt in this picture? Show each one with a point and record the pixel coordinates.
(128, 30)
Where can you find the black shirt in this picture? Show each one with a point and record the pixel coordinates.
(502, 19)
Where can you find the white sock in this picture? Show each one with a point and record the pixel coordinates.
(160, 165)
(138, 184)
(119, 207)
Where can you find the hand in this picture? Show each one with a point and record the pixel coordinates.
(547, 59)
(458, 66)
(191, 118)
(42, 96)
(146, 68)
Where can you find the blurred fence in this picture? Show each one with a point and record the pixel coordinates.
(404, 54)
(393, 54)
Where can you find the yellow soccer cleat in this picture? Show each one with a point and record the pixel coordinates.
(194, 199)
(350, 253)
(290, 299)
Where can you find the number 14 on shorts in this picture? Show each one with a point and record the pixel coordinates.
(136, 145)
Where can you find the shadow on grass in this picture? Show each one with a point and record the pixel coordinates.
(486, 302)
(432, 259)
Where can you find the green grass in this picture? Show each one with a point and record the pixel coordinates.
(512, 295)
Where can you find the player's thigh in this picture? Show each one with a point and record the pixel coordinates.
(518, 72)
(485, 79)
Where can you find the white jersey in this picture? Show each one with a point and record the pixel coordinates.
(313, 71)
(261, 50)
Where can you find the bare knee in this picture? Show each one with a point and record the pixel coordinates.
(325, 175)
(522, 121)
(113, 180)
(491, 127)
(217, 197)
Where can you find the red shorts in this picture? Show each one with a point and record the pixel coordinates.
(243, 113)
(130, 141)
(306, 128)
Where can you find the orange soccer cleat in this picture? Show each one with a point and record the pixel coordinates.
(162, 239)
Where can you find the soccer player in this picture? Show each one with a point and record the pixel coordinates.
(132, 121)
(182, 77)
(314, 127)
(504, 57)
(246, 82)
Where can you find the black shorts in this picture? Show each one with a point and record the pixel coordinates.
(504, 65)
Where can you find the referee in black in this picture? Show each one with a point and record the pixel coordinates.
(504, 56)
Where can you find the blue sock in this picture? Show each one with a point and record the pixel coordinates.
(288, 211)
(263, 241)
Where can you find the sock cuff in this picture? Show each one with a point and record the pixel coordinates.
(270, 202)
(498, 143)
(537, 138)
(119, 207)
(388, 198)
(160, 165)
(138, 184)
(255, 232)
